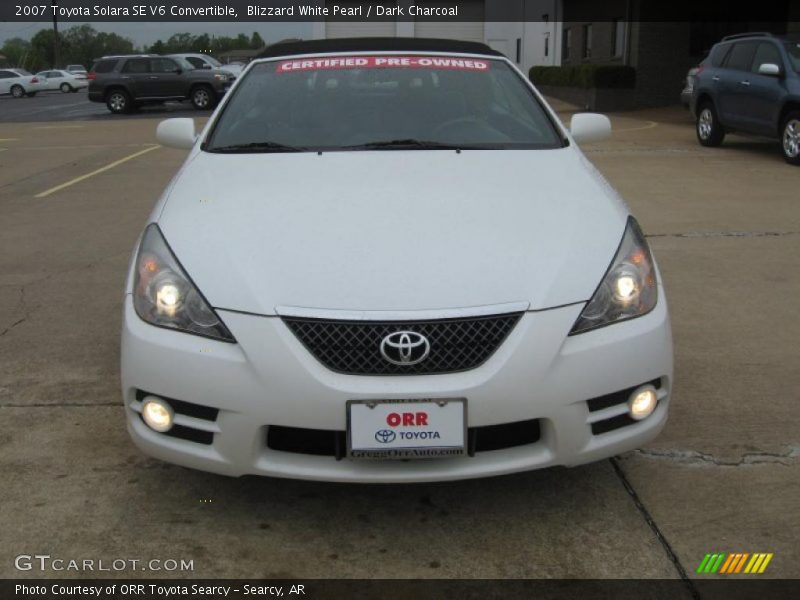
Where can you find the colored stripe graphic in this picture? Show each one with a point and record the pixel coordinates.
(703, 563)
(740, 564)
(727, 563)
(764, 564)
(735, 563)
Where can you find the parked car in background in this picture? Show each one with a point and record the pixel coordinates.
(76, 69)
(415, 275)
(63, 80)
(20, 83)
(125, 83)
(206, 61)
(750, 84)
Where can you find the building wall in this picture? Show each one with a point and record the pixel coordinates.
(531, 29)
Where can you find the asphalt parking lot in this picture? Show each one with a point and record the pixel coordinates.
(76, 187)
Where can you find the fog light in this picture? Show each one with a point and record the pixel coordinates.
(642, 402)
(157, 413)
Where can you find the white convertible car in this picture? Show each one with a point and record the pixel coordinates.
(416, 275)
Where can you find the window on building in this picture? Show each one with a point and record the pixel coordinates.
(618, 38)
(567, 43)
(587, 41)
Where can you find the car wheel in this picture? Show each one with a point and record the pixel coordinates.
(17, 91)
(118, 102)
(708, 128)
(203, 98)
(790, 138)
(66, 88)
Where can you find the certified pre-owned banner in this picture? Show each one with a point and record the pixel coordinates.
(390, 10)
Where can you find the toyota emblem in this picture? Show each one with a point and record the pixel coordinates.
(405, 348)
(385, 436)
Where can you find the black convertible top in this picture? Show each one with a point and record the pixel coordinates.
(376, 44)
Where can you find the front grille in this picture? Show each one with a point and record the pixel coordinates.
(353, 347)
(325, 442)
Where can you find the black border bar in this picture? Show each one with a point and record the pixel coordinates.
(76, 11)
(727, 588)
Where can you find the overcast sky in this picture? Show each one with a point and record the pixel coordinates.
(147, 33)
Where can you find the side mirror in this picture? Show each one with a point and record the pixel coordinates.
(770, 69)
(176, 133)
(589, 127)
(178, 71)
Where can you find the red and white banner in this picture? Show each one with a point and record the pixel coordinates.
(383, 62)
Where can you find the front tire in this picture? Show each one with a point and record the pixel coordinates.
(203, 98)
(790, 138)
(66, 88)
(119, 102)
(17, 91)
(708, 128)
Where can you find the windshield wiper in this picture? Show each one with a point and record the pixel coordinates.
(254, 147)
(406, 144)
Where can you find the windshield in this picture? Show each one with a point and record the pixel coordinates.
(382, 102)
(793, 50)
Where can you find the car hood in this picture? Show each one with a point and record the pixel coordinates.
(393, 230)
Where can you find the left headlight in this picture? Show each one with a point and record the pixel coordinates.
(629, 288)
(163, 294)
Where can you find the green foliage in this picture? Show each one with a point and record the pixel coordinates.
(78, 45)
(186, 42)
(83, 44)
(585, 76)
(16, 50)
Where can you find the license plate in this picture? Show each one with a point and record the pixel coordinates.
(405, 429)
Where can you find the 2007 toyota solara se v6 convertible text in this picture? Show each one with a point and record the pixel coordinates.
(385, 260)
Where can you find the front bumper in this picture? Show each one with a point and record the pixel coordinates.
(270, 379)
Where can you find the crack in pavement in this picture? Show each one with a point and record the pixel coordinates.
(651, 523)
(708, 234)
(702, 459)
(27, 312)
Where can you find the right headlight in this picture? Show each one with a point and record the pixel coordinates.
(163, 294)
(629, 288)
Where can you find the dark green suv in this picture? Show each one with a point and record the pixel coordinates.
(125, 83)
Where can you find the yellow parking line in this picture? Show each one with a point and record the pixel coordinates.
(116, 163)
(59, 127)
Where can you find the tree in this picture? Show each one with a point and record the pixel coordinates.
(16, 51)
(256, 41)
(43, 50)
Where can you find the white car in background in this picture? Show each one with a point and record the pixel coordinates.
(416, 275)
(77, 69)
(63, 80)
(19, 83)
(206, 61)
